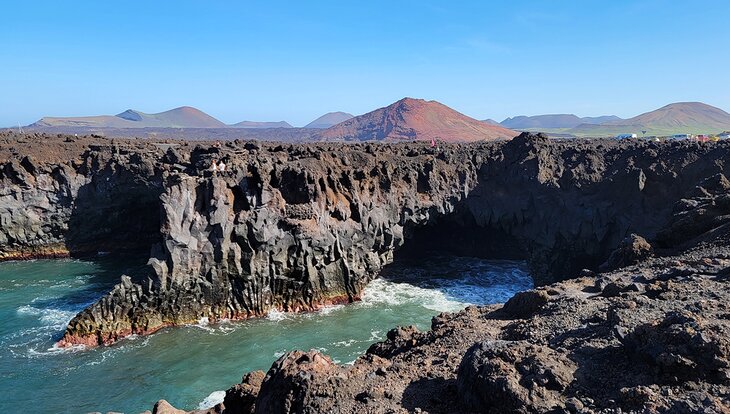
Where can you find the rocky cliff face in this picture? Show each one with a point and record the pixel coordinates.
(295, 227)
(285, 229)
(99, 200)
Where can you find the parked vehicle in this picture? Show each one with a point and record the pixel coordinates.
(680, 137)
(626, 136)
(702, 138)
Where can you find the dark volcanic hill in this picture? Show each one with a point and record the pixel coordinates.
(258, 124)
(182, 117)
(414, 119)
(676, 118)
(554, 121)
(329, 119)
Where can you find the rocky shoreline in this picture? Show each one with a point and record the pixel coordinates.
(651, 337)
(628, 241)
(293, 227)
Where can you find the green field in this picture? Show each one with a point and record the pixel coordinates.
(612, 131)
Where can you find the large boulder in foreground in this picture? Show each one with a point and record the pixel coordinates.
(290, 382)
(683, 347)
(241, 398)
(506, 376)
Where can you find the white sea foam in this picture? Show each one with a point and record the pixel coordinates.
(346, 343)
(374, 336)
(276, 315)
(449, 287)
(215, 397)
(71, 283)
(55, 350)
(204, 324)
(326, 310)
(225, 327)
(50, 317)
(388, 293)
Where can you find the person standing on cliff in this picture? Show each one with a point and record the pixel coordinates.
(214, 166)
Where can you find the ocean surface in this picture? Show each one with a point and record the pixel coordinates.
(191, 366)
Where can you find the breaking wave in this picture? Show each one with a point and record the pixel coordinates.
(215, 397)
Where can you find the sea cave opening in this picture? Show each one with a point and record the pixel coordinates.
(114, 217)
(462, 260)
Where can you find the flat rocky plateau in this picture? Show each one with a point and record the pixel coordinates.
(627, 242)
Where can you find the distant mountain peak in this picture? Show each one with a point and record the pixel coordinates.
(131, 115)
(181, 117)
(691, 104)
(674, 118)
(329, 119)
(415, 119)
(553, 121)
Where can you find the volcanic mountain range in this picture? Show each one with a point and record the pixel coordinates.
(675, 118)
(554, 121)
(182, 117)
(408, 119)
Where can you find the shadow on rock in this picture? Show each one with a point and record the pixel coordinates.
(431, 394)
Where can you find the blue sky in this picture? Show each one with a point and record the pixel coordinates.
(294, 61)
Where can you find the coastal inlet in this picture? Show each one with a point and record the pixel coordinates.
(191, 365)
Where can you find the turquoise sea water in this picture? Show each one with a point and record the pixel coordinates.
(191, 366)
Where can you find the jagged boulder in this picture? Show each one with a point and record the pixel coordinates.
(512, 376)
(399, 340)
(631, 250)
(288, 386)
(524, 304)
(164, 407)
(682, 347)
(241, 398)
